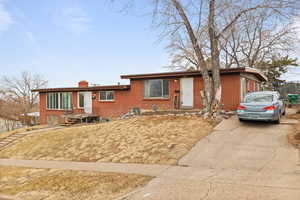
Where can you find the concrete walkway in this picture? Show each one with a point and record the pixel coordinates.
(237, 161)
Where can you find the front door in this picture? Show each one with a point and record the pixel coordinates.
(88, 102)
(187, 92)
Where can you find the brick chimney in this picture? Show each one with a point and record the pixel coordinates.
(82, 84)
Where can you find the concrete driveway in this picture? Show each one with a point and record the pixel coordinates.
(237, 161)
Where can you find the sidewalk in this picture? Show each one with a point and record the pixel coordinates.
(142, 169)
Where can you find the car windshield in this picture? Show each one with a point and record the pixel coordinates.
(259, 98)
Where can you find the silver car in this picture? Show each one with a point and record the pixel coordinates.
(262, 106)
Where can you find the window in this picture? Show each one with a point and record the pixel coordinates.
(80, 100)
(107, 95)
(59, 101)
(156, 88)
(256, 98)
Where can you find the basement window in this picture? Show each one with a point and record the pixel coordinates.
(156, 88)
(59, 101)
(107, 95)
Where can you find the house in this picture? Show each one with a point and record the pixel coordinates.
(166, 91)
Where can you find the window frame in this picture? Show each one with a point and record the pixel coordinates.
(163, 96)
(243, 87)
(106, 95)
(60, 103)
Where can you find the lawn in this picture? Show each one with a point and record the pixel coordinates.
(160, 139)
(28, 184)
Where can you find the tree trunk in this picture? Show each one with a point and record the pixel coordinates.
(199, 55)
(215, 58)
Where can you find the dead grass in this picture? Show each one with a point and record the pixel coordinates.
(28, 184)
(294, 136)
(145, 139)
(20, 130)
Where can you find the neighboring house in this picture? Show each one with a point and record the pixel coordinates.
(167, 91)
(31, 118)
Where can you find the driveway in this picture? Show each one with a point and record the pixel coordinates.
(237, 161)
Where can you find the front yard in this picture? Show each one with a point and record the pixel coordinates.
(37, 184)
(145, 139)
(294, 136)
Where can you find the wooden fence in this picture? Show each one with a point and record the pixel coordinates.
(289, 88)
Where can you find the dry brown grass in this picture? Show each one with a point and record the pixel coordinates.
(145, 139)
(20, 130)
(28, 184)
(294, 136)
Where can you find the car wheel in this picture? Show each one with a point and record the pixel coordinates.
(278, 119)
(241, 120)
(284, 112)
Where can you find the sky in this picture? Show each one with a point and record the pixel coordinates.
(66, 41)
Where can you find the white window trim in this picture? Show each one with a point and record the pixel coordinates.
(162, 86)
(243, 90)
(58, 103)
(78, 105)
(109, 100)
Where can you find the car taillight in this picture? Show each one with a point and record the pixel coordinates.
(272, 107)
(241, 108)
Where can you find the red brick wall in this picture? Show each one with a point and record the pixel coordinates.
(230, 96)
(198, 86)
(127, 99)
(136, 97)
(119, 106)
(231, 85)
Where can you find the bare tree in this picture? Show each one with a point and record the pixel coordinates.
(197, 27)
(258, 39)
(9, 114)
(16, 91)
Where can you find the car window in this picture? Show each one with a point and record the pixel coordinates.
(259, 98)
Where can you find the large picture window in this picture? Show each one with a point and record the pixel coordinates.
(107, 95)
(59, 101)
(156, 88)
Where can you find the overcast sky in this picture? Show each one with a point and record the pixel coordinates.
(70, 40)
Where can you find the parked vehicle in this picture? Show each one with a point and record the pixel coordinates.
(262, 106)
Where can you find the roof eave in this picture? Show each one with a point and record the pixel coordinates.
(78, 89)
(192, 73)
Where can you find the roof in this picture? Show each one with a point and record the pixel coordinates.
(194, 73)
(76, 89)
